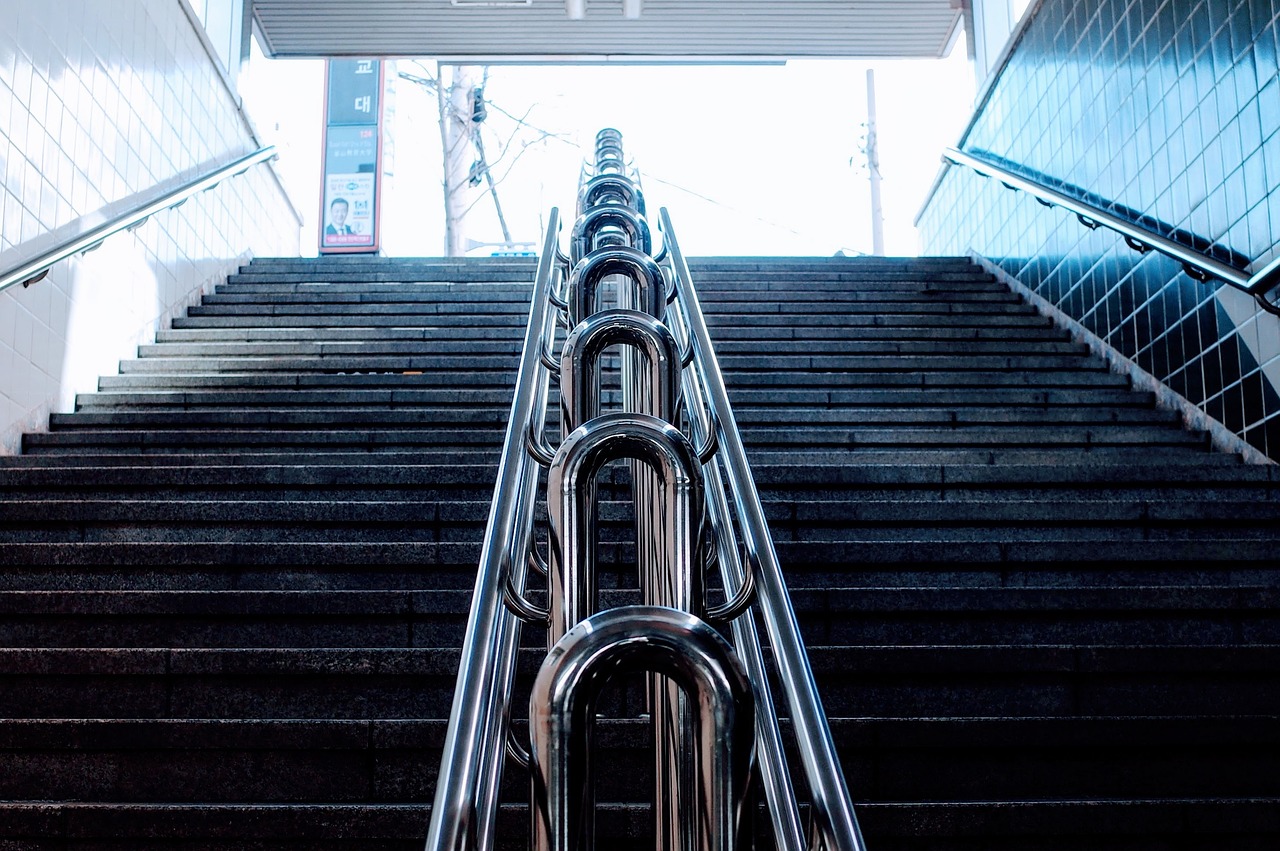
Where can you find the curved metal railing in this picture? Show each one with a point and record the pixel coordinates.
(696, 512)
(1196, 263)
(33, 270)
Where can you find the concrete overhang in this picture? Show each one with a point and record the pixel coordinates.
(580, 31)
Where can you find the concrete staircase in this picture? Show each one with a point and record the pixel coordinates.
(1042, 614)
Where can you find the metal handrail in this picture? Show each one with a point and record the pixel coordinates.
(651, 639)
(1141, 239)
(834, 823)
(775, 776)
(35, 269)
(463, 816)
(465, 806)
(611, 239)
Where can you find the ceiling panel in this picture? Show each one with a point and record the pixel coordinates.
(542, 30)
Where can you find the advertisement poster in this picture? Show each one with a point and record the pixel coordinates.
(352, 162)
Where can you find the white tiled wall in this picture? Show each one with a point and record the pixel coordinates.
(100, 101)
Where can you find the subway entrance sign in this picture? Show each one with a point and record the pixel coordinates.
(351, 160)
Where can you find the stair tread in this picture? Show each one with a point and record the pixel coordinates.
(1039, 608)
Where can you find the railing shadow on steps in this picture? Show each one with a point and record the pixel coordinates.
(717, 524)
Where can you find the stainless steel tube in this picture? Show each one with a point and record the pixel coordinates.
(596, 220)
(571, 508)
(609, 189)
(638, 267)
(580, 365)
(561, 711)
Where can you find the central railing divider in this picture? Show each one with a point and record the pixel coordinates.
(709, 702)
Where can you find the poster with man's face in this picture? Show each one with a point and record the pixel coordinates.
(349, 202)
(349, 206)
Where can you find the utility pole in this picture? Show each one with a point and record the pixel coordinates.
(873, 169)
(462, 110)
(455, 96)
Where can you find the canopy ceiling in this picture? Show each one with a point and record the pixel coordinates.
(571, 31)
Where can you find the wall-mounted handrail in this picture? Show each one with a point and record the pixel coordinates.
(834, 822)
(1197, 264)
(35, 269)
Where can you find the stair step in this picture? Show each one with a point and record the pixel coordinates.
(1023, 332)
(1042, 612)
(901, 616)
(149, 437)
(430, 346)
(351, 319)
(392, 760)
(746, 375)
(191, 410)
(943, 681)
(255, 335)
(1001, 826)
(941, 360)
(767, 452)
(414, 348)
(191, 381)
(846, 321)
(462, 309)
(191, 377)
(108, 400)
(404, 364)
(235, 554)
(426, 416)
(369, 293)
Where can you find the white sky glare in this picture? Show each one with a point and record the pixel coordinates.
(748, 159)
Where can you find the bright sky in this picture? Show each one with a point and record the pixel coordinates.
(749, 159)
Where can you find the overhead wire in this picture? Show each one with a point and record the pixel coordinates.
(545, 134)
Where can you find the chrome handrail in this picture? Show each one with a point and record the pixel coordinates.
(571, 577)
(692, 493)
(775, 777)
(1199, 265)
(656, 639)
(611, 242)
(33, 270)
(465, 806)
(834, 823)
